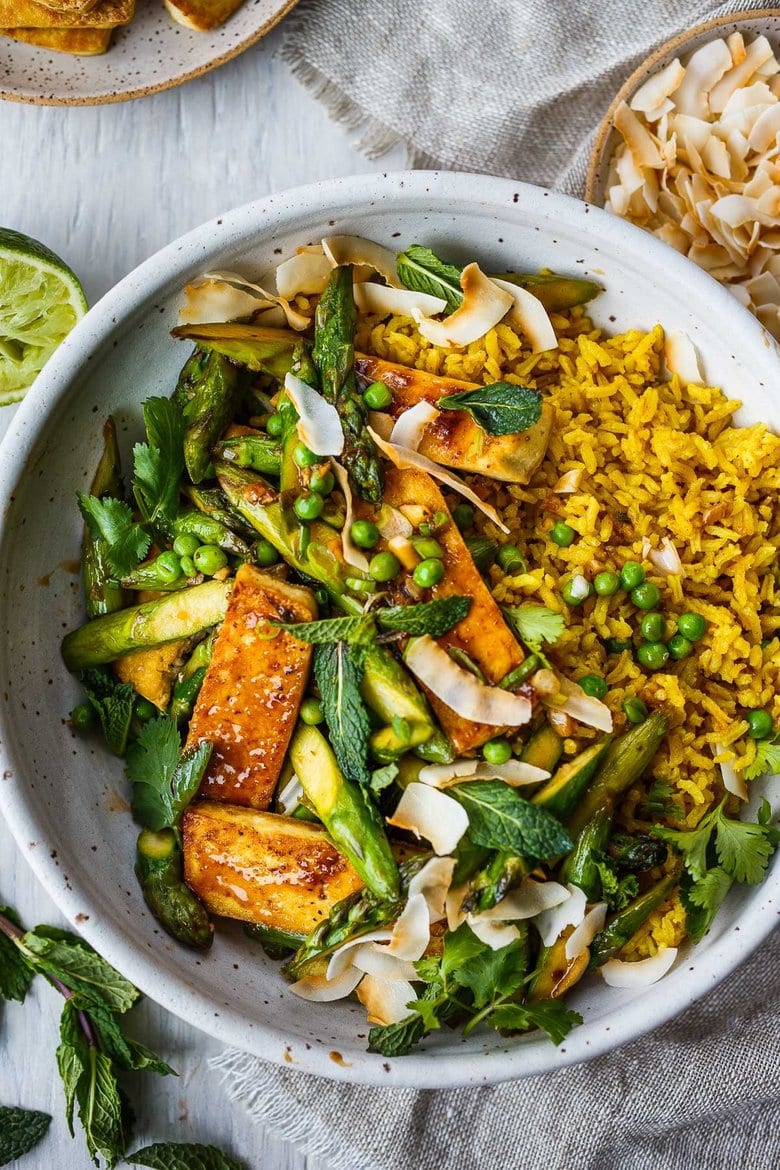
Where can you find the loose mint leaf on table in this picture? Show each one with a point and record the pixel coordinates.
(16, 975)
(64, 956)
(421, 270)
(428, 617)
(183, 1156)
(20, 1130)
(112, 520)
(128, 1054)
(164, 781)
(339, 674)
(501, 819)
(499, 409)
(159, 464)
(113, 704)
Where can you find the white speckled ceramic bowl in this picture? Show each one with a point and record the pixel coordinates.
(151, 53)
(63, 796)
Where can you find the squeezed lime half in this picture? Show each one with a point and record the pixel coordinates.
(40, 302)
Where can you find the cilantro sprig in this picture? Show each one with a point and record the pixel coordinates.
(535, 625)
(766, 760)
(164, 780)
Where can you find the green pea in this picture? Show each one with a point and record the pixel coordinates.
(308, 507)
(646, 596)
(168, 567)
(463, 516)
(759, 724)
(304, 457)
(652, 626)
(606, 584)
(265, 554)
(322, 481)
(679, 647)
(185, 545)
(631, 575)
(188, 566)
(311, 712)
(364, 534)
(593, 685)
(510, 559)
(652, 655)
(571, 594)
(692, 626)
(144, 710)
(428, 548)
(377, 396)
(384, 566)
(274, 425)
(428, 573)
(82, 717)
(634, 709)
(618, 645)
(562, 534)
(497, 751)
(209, 559)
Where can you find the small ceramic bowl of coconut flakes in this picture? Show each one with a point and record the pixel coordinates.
(690, 151)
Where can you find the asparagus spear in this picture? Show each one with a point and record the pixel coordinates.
(499, 876)
(103, 594)
(334, 357)
(276, 943)
(483, 551)
(555, 292)
(208, 411)
(150, 575)
(212, 502)
(158, 868)
(390, 692)
(624, 763)
(167, 619)
(257, 452)
(187, 686)
(209, 530)
(256, 348)
(635, 852)
(191, 373)
(623, 925)
(580, 867)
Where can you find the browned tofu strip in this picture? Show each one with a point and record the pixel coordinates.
(253, 687)
(483, 634)
(263, 867)
(454, 439)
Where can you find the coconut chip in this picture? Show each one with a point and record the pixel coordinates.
(515, 773)
(569, 912)
(572, 700)
(642, 973)
(484, 305)
(362, 254)
(319, 425)
(410, 425)
(227, 284)
(733, 781)
(583, 935)
(305, 273)
(403, 302)
(351, 553)
(385, 1000)
(459, 690)
(431, 814)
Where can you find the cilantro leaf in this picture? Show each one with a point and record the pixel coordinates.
(338, 671)
(491, 975)
(533, 625)
(743, 848)
(691, 843)
(15, 973)
(617, 892)
(20, 1130)
(551, 1016)
(91, 1085)
(113, 703)
(164, 782)
(111, 520)
(500, 818)
(183, 1156)
(499, 409)
(659, 802)
(420, 269)
(341, 629)
(159, 464)
(66, 957)
(767, 759)
(429, 617)
(701, 900)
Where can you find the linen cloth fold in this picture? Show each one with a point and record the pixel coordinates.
(517, 88)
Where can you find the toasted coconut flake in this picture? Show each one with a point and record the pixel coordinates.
(431, 814)
(264, 298)
(516, 773)
(319, 425)
(362, 253)
(351, 553)
(666, 559)
(290, 796)
(433, 882)
(412, 931)
(733, 781)
(381, 422)
(583, 935)
(704, 70)
(757, 53)
(642, 973)
(453, 906)
(529, 316)
(570, 481)
(319, 989)
(572, 701)
(341, 959)
(374, 959)
(495, 935)
(410, 425)
(569, 912)
(461, 691)
(385, 1000)
(483, 306)
(404, 457)
(306, 274)
(658, 88)
(682, 358)
(212, 301)
(638, 140)
(402, 302)
(530, 899)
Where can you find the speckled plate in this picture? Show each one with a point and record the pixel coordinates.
(147, 55)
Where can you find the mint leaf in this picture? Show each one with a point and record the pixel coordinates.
(159, 464)
(111, 520)
(113, 703)
(128, 1054)
(551, 1016)
(342, 629)
(163, 782)
(743, 848)
(15, 973)
(183, 1156)
(339, 674)
(91, 1086)
(20, 1130)
(421, 269)
(65, 957)
(429, 617)
(501, 819)
(499, 409)
(535, 624)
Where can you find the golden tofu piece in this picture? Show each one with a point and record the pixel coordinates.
(28, 14)
(75, 6)
(153, 672)
(249, 700)
(263, 867)
(201, 15)
(81, 42)
(483, 634)
(454, 439)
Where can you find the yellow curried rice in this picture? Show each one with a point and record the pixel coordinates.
(658, 460)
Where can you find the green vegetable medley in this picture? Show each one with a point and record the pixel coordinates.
(287, 519)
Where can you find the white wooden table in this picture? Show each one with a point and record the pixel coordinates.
(105, 187)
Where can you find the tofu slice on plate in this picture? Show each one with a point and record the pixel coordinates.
(27, 14)
(80, 42)
(201, 15)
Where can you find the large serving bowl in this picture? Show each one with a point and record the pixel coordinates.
(64, 797)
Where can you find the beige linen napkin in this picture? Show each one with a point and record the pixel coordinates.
(516, 88)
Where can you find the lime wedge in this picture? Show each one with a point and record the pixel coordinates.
(40, 302)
